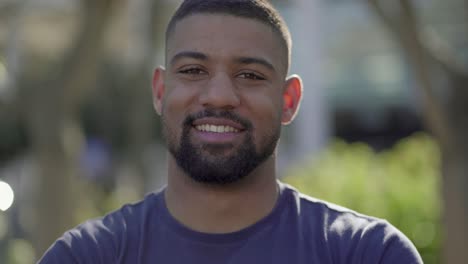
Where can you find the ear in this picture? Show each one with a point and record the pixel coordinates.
(158, 89)
(292, 95)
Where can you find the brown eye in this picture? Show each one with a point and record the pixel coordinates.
(251, 76)
(193, 71)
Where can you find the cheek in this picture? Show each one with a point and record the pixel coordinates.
(265, 110)
(175, 108)
(173, 116)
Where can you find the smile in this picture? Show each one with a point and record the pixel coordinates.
(216, 128)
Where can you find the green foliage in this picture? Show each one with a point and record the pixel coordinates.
(400, 185)
(20, 251)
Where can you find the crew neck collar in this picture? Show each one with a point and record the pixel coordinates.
(222, 238)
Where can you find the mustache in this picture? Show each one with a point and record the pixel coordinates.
(218, 114)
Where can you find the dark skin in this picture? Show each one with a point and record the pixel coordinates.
(227, 63)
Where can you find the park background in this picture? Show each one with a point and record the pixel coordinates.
(382, 128)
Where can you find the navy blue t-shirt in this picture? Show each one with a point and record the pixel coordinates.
(299, 230)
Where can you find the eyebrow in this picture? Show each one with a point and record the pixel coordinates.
(189, 54)
(241, 60)
(255, 60)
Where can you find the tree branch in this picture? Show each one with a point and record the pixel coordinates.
(80, 67)
(404, 29)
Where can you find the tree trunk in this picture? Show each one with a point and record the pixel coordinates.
(445, 117)
(141, 116)
(52, 109)
(455, 175)
(454, 169)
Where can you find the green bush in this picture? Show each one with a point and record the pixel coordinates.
(400, 185)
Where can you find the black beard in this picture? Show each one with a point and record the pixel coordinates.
(214, 168)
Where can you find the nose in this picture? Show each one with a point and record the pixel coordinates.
(220, 92)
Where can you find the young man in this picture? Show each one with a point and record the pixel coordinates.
(223, 98)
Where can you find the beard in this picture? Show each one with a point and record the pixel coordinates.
(207, 163)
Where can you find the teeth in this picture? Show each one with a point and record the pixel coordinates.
(217, 129)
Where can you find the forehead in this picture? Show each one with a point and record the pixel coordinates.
(225, 36)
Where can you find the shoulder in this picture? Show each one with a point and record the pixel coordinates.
(101, 238)
(354, 235)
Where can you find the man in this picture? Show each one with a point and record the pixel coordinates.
(223, 97)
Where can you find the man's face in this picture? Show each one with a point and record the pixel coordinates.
(222, 98)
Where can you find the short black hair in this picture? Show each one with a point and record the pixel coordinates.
(260, 10)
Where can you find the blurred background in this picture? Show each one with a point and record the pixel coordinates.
(382, 128)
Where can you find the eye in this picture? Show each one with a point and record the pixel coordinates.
(192, 71)
(251, 76)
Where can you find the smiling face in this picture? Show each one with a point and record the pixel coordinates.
(223, 95)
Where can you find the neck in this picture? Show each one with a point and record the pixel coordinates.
(221, 208)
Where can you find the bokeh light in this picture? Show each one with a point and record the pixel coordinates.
(6, 196)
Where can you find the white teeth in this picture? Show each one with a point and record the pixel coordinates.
(217, 129)
(213, 128)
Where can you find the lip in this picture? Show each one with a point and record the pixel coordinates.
(218, 122)
(216, 138)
